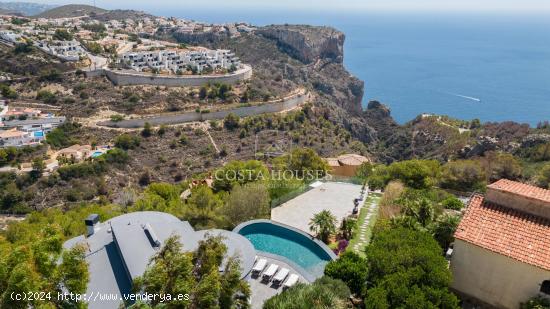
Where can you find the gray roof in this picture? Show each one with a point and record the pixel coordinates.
(41, 121)
(120, 249)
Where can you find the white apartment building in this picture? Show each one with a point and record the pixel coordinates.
(66, 50)
(173, 60)
(9, 36)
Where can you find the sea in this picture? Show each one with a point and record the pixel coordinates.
(493, 67)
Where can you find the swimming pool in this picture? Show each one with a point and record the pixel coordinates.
(296, 246)
(96, 154)
(38, 134)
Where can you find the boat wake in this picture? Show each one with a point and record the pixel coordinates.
(465, 97)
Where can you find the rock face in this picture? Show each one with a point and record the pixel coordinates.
(306, 43)
(532, 140)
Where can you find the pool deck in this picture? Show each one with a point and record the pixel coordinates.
(337, 197)
(262, 291)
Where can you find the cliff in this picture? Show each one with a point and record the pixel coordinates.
(307, 43)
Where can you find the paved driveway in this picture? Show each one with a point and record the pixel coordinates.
(336, 197)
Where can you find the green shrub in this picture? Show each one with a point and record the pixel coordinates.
(452, 203)
(350, 268)
(127, 141)
(46, 96)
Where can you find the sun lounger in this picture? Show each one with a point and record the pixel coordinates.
(292, 280)
(270, 272)
(281, 276)
(259, 267)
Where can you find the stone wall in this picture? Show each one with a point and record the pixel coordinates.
(271, 107)
(130, 78)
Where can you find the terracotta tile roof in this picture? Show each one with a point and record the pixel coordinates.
(332, 162)
(512, 233)
(350, 159)
(521, 189)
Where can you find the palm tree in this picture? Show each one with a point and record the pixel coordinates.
(323, 224)
(347, 227)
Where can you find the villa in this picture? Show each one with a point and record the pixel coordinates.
(65, 50)
(11, 113)
(44, 124)
(76, 152)
(16, 138)
(118, 251)
(501, 255)
(174, 60)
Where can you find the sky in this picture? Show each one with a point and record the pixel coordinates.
(510, 6)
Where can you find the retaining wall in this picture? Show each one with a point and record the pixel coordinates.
(123, 78)
(273, 107)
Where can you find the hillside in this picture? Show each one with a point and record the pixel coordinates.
(24, 8)
(8, 12)
(71, 10)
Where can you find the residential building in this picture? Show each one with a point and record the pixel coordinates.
(175, 60)
(66, 50)
(75, 153)
(346, 165)
(119, 250)
(16, 138)
(11, 113)
(44, 124)
(9, 36)
(501, 255)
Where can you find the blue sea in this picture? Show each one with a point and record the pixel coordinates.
(487, 66)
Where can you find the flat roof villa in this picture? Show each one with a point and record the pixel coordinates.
(174, 61)
(501, 253)
(119, 250)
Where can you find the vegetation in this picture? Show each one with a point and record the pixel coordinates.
(247, 202)
(323, 224)
(304, 163)
(536, 303)
(32, 258)
(127, 141)
(239, 172)
(46, 96)
(231, 121)
(62, 35)
(197, 274)
(325, 292)
(351, 269)
(62, 136)
(7, 92)
(406, 269)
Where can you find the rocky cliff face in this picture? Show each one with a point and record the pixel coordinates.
(307, 43)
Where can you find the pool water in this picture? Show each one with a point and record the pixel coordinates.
(96, 154)
(39, 134)
(290, 244)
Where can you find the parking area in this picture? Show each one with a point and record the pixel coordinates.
(337, 197)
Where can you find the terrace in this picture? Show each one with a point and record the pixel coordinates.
(337, 197)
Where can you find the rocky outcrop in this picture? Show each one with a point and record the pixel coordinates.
(532, 140)
(307, 43)
(483, 144)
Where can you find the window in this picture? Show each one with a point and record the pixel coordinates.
(545, 287)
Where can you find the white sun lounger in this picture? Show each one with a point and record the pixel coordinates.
(292, 280)
(270, 272)
(260, 265)
(281, 276)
